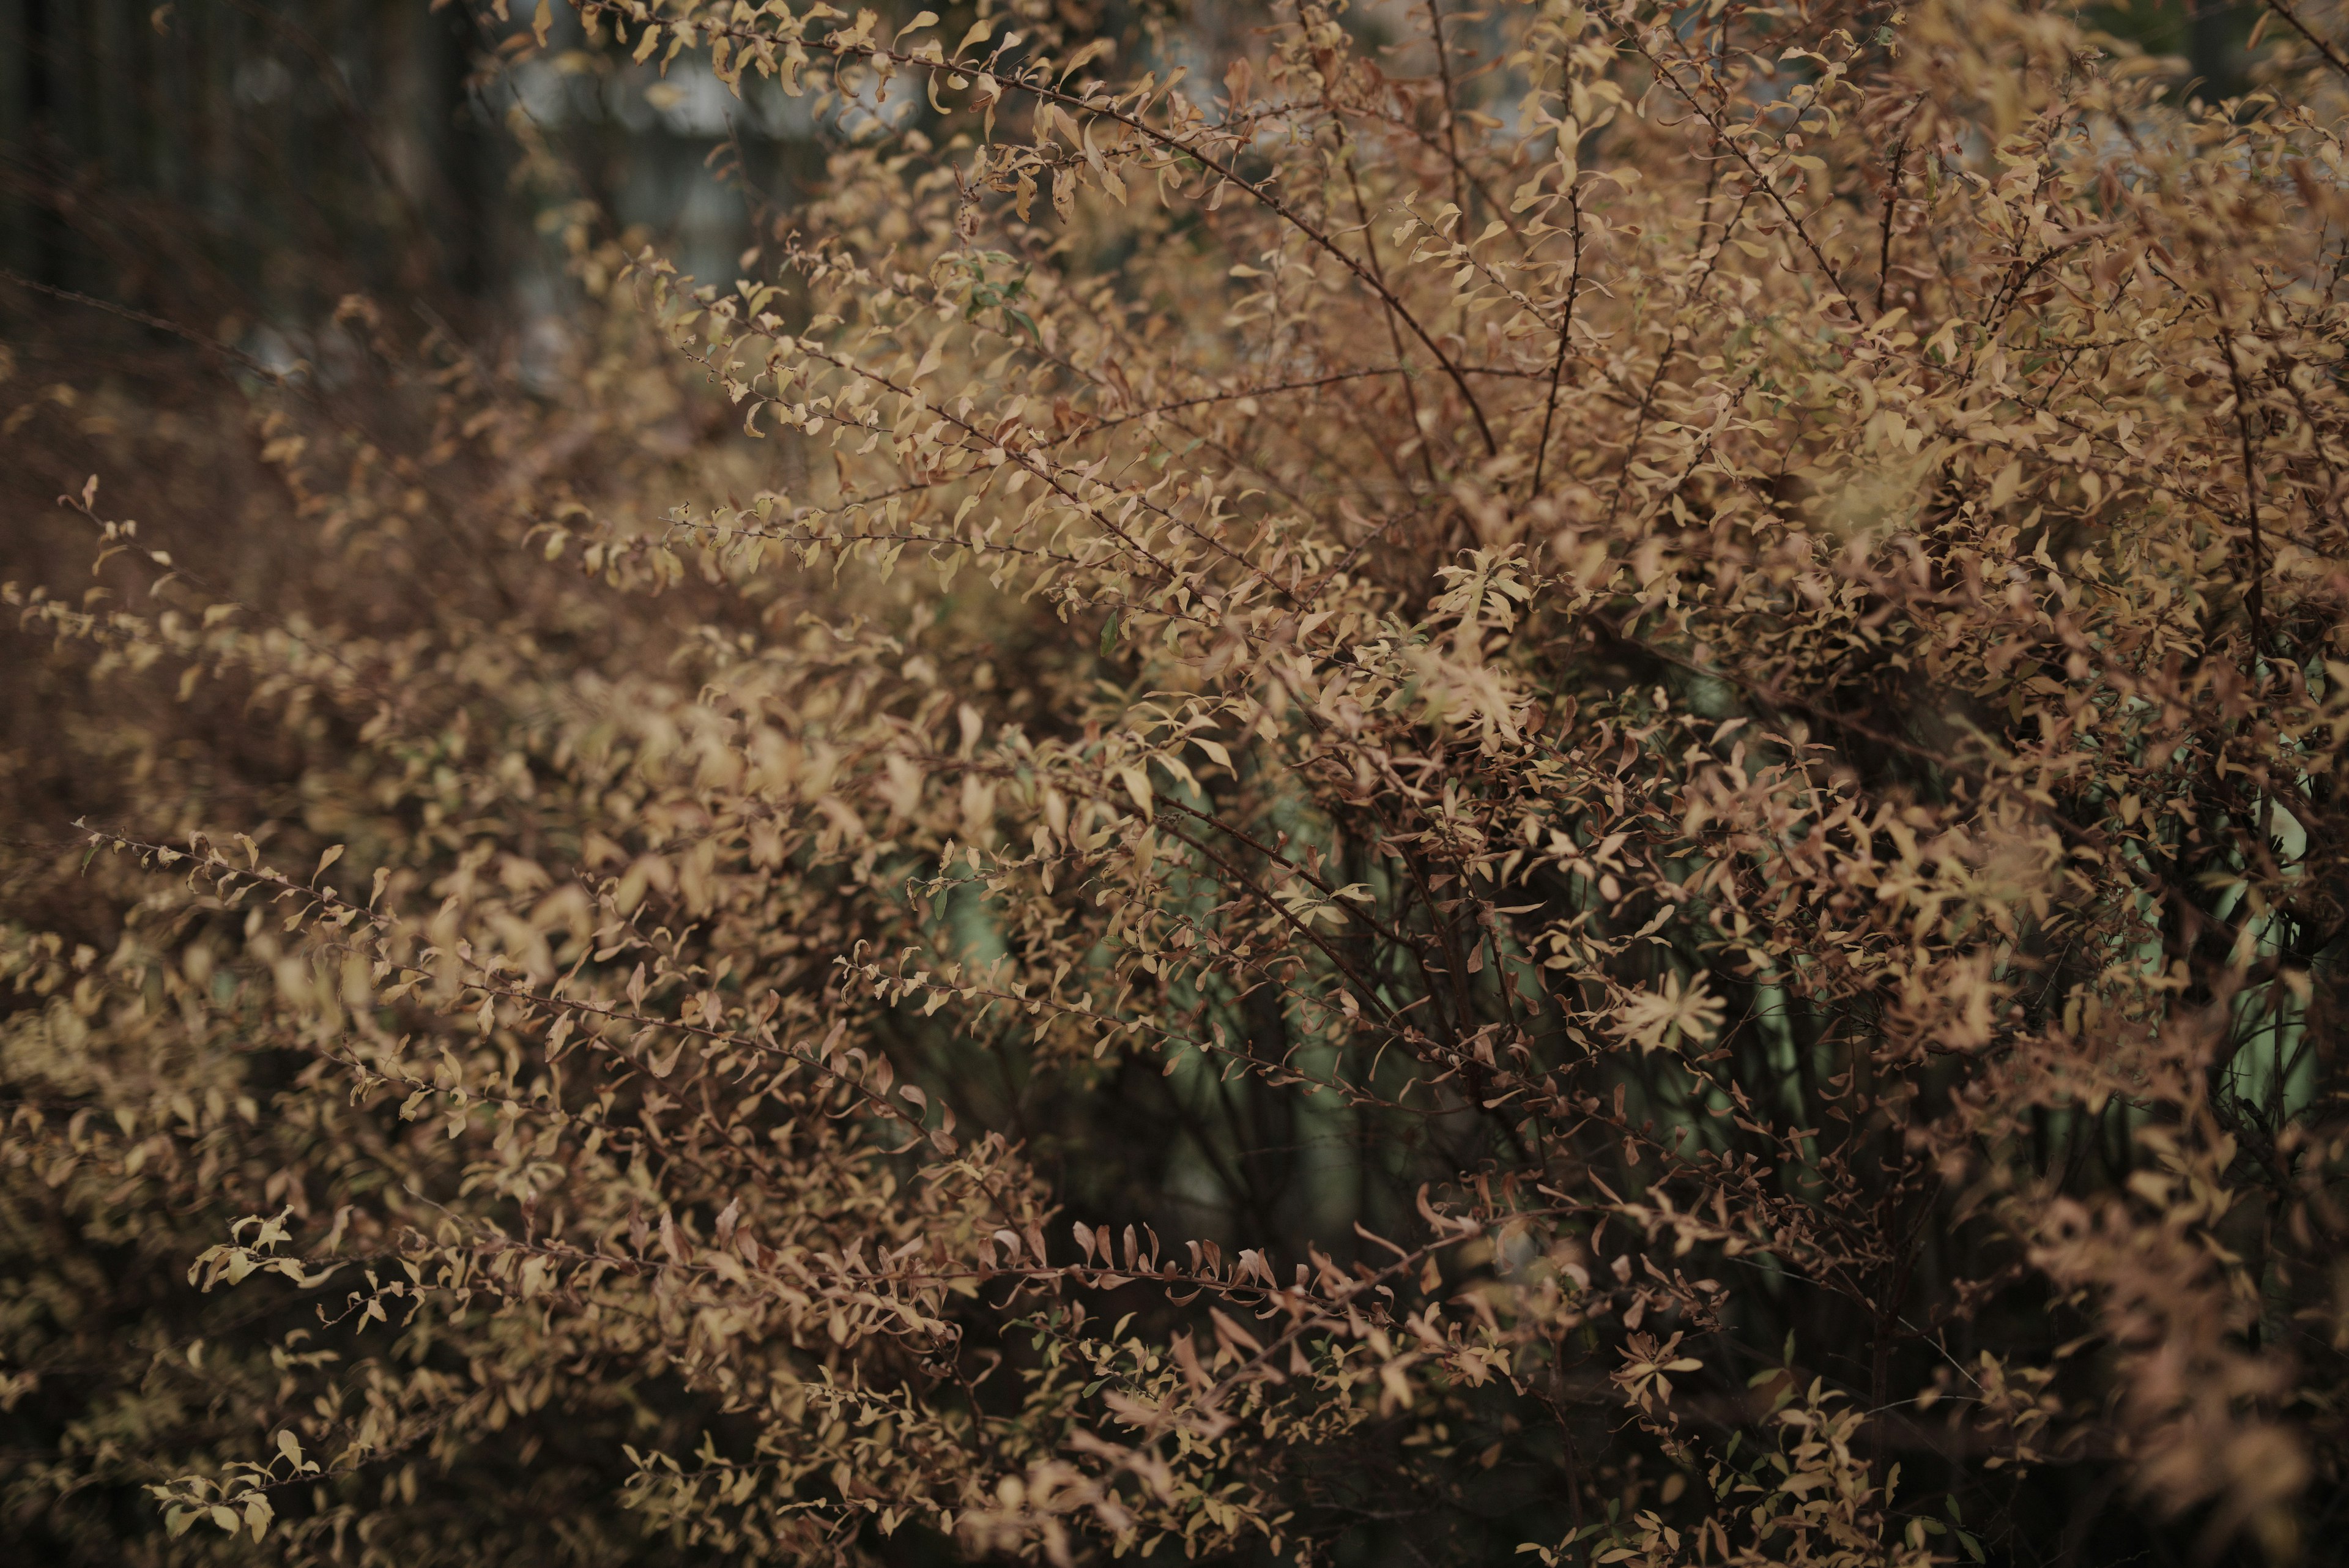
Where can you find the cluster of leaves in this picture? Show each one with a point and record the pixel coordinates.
(1568, 790)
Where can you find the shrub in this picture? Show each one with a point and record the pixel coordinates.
(1570, 789)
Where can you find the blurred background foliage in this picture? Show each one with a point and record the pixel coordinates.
(262, 157)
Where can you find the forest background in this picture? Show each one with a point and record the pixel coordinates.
(1390, 784)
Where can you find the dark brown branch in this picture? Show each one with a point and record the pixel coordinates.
(2332, 56)
(1565, 338)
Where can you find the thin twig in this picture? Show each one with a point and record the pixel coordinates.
(2332, 56)
(1564, 337)
(1891, 206)
(1451, 112)
(1794, 219)
(190, 334)
(2254, 596)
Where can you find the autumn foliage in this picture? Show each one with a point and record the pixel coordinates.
(1564, 787)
